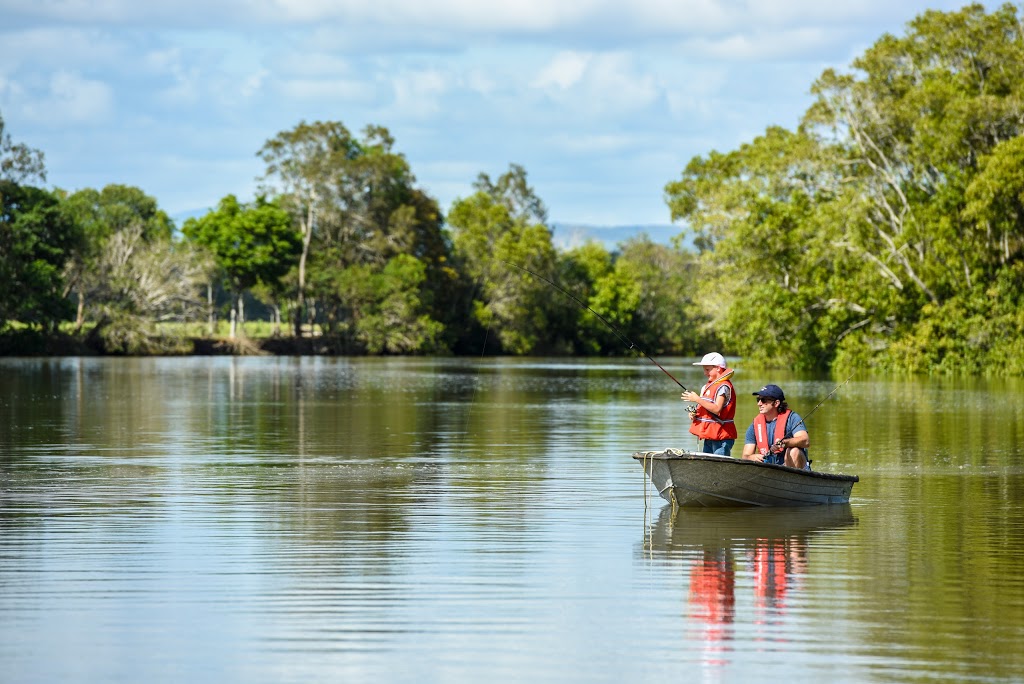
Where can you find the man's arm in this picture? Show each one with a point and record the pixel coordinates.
(750, 453)
(800, 440)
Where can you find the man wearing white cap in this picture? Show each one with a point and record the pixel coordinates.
(716, 407)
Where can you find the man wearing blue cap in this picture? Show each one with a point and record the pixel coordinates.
(777, 435)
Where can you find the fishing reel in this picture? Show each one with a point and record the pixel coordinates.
(692, 410)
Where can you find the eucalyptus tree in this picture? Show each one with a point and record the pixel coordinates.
(146, 282)
(303, 165)
(358, 206)
(19, 163)
(496, 226)
(251, 245)
(379, 215)
(914, 121)
(891, 207)
(102, 215)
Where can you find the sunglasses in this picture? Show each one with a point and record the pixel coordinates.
(765, 400)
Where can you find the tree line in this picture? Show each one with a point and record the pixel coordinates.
(341, 244)
(884, 230)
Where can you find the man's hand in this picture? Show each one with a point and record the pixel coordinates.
(779, 446)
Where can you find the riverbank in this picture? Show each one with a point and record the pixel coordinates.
(27, 342)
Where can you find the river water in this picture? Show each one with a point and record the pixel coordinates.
(454, 520)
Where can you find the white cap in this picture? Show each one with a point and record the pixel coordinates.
(712, 359)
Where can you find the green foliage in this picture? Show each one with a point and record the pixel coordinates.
(19, 163)
(388, 314)
(252, 244)
(357, 204)
(144, 283)
(871, 236)
(36, 240)
(115, 208)
(492, 229)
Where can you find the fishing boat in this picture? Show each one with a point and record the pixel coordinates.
(702, 480)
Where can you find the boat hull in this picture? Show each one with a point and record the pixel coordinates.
(705, 481)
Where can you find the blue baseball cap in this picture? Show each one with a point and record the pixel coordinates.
(770, 392)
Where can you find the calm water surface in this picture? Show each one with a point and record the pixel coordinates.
(424, 520)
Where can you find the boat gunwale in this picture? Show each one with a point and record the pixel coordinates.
(675, 455)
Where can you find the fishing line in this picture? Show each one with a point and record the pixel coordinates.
(611, 327)
(804, 418)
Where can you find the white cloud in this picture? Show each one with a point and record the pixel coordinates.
(602, 101)
(593, 143)
(253, 84)
(419, 91)
(326, 88)
(608, 84)
(562, 72)
(72, 99)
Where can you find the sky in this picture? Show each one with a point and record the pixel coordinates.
(603, 102)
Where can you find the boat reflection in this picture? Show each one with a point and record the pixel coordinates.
(754, 558)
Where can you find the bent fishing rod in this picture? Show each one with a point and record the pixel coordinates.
(601, 318)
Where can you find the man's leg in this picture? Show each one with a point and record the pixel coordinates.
(795, 458)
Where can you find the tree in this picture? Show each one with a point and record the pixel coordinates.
(358, 205)
(894, 203)
(302, 166)
(388, 314)
(490, 228)
(36, 240)
(145, 282)
(254, 244)
(18, 162)
(102, 215)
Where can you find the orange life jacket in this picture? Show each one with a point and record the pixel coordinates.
(706, 424)
(764, 442)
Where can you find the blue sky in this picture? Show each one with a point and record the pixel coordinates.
(602, 102)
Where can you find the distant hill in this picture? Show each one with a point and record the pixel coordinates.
(182, 216)
(570, 235)
(566, 235)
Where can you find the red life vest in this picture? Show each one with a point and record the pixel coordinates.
(706, 424)
(764, 443)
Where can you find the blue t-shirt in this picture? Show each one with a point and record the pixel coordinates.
(794, 424)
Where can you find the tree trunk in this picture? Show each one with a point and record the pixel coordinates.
(241, 314)
(80, 316)
(209, 304)
(307, 236)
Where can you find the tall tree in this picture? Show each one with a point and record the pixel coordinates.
(357, 202)
(892, 206)
(494, 226)
(145, 282)
(19, 163)
(102, 215)
(36, 240)
(251, 244)
(302, 167)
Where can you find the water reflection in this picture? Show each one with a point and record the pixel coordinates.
(409, 520)
(738, 561)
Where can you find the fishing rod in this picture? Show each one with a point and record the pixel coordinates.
(779, 443)
(600, 317)
(802, 419)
